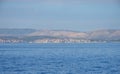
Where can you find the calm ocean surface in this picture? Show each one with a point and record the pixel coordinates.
(89, 58)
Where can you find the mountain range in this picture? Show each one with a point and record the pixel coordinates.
(58, 36)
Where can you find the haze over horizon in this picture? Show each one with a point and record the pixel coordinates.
(77, 15)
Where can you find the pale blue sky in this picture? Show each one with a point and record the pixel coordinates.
(62, 15)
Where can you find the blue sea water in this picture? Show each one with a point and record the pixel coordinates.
(88, 58)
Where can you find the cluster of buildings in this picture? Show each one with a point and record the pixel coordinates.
(10, 41)
(60, 41)
(47, 40)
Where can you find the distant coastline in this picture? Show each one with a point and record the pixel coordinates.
(58, 36)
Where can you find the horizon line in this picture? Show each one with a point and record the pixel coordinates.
(61, 29)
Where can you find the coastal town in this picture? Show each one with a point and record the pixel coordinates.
(57, 36)
(51, 41)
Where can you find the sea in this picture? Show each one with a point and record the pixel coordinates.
(61, 58)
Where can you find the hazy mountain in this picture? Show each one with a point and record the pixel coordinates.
(59, 33)
(105, 35)
(97, 35)
(33, 35)
(15, 32)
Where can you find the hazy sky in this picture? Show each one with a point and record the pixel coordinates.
(80, 15)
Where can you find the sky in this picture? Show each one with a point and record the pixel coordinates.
(78, 15)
